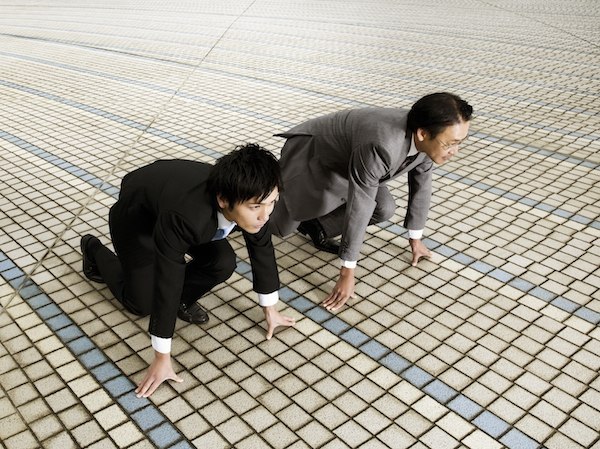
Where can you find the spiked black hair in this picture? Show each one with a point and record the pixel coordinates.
(247, 172)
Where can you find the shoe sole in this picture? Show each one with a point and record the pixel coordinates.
(84, 241)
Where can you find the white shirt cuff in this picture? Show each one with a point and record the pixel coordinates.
(268, 299)
(162, 345)
(412, 234)
(349, 263)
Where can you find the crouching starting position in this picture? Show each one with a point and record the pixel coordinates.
(173, 208)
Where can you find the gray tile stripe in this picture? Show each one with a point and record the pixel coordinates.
(552, 154)
(152, 422)
(61, 163)
(520, 199)
(107, 188)
(390, 94)
(406, 49)
(110, 116)
(494, 94)
(465, 35)
(148, 418)
(486, 269)
(419, 31)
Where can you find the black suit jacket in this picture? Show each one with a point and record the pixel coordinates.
(167, 207)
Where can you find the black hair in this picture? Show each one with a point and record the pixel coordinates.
(247, 172)
(435, 112)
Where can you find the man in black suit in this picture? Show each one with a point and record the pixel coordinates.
(173, 208)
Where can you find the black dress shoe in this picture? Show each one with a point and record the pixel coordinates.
(192, 314)
(315, 231)
(90, 269)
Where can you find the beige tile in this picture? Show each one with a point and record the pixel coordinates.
(534, 428)
(314, 434)
(24, 440)
(211, 439)
(394, 436)
(293, 417)
(352, 434)
(11, 425)
(414, 423)
(480, 440)
(278, 436)
(274, 400)
(192, 426)
(89, 432)
(579, 432)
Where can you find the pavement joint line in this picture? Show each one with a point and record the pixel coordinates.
(555, 155)
(488, 270)
(92, 47)
(424, 66)
(354, 34)
(500, 118)
(106, 372)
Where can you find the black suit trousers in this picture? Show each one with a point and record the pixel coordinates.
(129, 274)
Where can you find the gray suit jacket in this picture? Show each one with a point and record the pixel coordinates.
(344, 157)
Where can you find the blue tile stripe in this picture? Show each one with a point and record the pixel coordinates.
(500, 192)
(427, 383)
(67, 166)
(270, 83)
(145, 414)
(484, 268)
(505, 277)
(521, 199)
(405, 78)
(109, 116)
(196, 45)
(164, 434)
(194, 146)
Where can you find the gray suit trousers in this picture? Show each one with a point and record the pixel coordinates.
(282, 224)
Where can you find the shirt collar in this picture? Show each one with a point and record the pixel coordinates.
(222, 222)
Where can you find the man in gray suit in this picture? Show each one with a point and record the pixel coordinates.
(335, 170)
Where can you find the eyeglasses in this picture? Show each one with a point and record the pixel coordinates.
(451, 146)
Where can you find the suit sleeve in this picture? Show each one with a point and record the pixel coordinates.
(419, 195)
(265, 276)
(368, 165)
(172, 237)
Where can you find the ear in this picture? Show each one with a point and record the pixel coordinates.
(221, 202)
(421, 134)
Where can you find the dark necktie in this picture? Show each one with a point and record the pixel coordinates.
(409, 160)
(220, 234)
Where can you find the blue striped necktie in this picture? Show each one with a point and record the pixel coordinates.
(219, 235)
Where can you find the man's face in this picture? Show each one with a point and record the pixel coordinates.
(443, 146)
(250, 215)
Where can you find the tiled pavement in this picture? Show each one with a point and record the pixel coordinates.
(492, 343)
